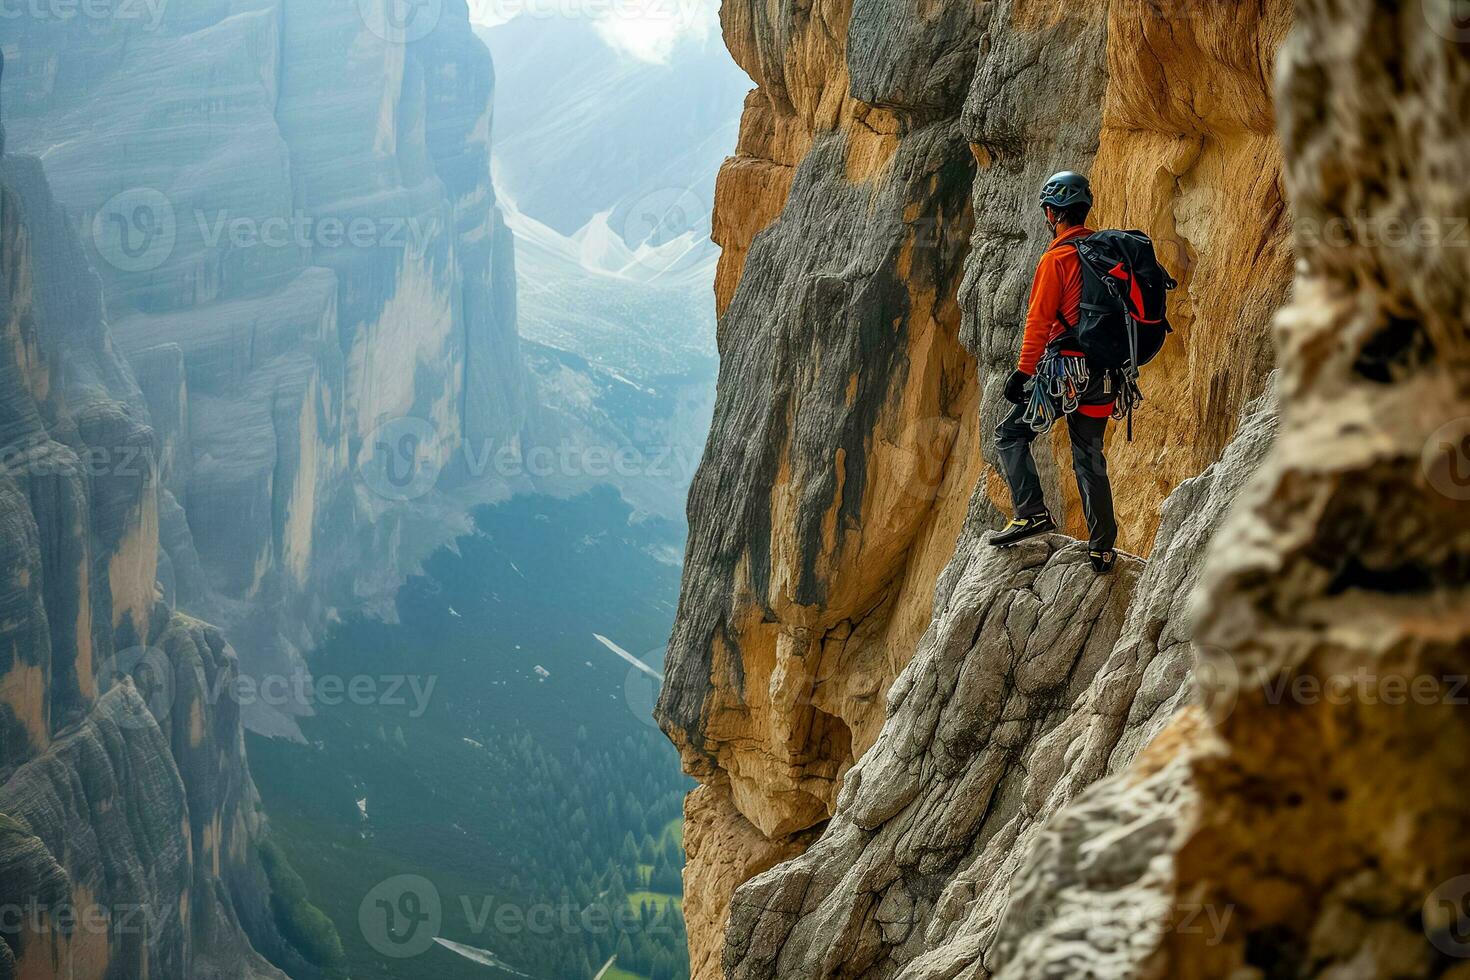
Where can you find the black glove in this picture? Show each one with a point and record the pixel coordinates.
(1016, 387)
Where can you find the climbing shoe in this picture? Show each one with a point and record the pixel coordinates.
(1103, 561)
(1022, 528)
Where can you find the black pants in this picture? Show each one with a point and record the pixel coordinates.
(1013, 441)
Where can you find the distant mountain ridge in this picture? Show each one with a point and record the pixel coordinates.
(606, 167)
(609, 132)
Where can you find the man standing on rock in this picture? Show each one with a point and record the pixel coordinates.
(1052, 379)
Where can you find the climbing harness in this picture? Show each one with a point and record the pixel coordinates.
(1061, 378)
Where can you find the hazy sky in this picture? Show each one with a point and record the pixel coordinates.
(646, 29)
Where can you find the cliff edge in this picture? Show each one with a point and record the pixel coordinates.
(931, 761)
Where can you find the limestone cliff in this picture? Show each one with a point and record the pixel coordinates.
(1322, 810)
(1036, 679)
(129, 824)
(880, 227)
(290, 208)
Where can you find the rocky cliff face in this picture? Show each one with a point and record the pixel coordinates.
(1036, 679)
(880, 229)
(1320, 805)
(129, 825)
(290, 207)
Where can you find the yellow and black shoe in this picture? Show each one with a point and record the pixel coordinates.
(1022, 528)
(1103, 561)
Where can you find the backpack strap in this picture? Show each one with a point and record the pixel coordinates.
(1076, 244)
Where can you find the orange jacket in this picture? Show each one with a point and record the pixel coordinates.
(1056, 294)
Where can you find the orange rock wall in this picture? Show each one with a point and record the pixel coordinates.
(805, 596)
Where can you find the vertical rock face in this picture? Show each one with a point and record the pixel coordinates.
(880, 227)
(1036, 679)
(843, 386)
(1043, 800)
(1325, 814)
(1316, 820)
(308, 248)
(128, 819)
(1168, 108)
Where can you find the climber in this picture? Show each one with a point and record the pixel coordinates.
(1052, 378)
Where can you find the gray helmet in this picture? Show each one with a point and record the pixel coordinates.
(1065, 189)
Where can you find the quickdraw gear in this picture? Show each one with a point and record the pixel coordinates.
(1129, 397)
(1056, 390)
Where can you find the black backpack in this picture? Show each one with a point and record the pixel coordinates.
(1123, 322)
